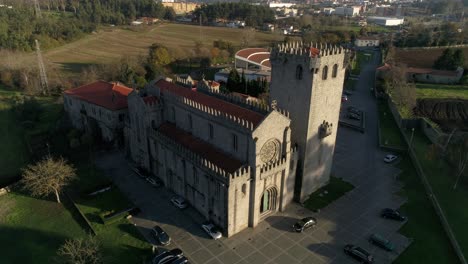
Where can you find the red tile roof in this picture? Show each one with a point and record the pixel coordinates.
(200, 147)
(108, 95)
(210, 101)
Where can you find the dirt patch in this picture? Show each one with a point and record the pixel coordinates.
(423, 58)
(448, 113)
(7, 206)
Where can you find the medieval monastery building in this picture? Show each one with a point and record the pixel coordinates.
(236, 161)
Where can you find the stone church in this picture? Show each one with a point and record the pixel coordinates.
(235, 161)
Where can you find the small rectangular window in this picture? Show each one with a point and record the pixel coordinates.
(234, 142)
(210, 127)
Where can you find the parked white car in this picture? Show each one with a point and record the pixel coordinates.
(211, 230)
(390, 158)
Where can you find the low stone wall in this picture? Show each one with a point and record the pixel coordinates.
(435, 47)
(90, 227)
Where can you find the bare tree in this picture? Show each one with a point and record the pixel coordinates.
(81, 251)
(48, 176)
(402, 93)
(457, 152)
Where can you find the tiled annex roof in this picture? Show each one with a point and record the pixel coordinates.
(108, 95)
(257, 55)
(413, 70)
(210, 101)
(200, 147)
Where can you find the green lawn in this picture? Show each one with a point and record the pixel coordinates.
(13, 153)
(430, 243)
(441, 178)
(121, 240)
(31, 230)
(440, 91)
(389, 132)
(361, 59)
(336, 188)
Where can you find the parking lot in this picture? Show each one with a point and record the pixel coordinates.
(350, 219)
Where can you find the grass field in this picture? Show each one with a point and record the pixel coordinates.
(121, 240)
(389, 132)
(423, 58)
(13, 153)
(441, 177)
(430, 243)
(440, 91)
(111, 43)
(31, 230)
(336, 188)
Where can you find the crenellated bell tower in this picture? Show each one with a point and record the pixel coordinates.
(307, 80)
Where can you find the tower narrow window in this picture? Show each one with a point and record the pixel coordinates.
(190, 122)
(325, 73)
(335, 71)
(299, 72)
(173, 115)
(234, 141)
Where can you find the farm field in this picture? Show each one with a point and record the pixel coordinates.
(440, 91)
(423, 58)
(111, 43)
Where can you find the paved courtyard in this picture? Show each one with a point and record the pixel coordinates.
(350, 219)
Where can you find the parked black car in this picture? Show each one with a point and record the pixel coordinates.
(161, 236)
(359, 253)
(392, 214)
(168, 256)
(305, 223)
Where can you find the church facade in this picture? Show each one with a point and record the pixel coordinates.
(236, 161)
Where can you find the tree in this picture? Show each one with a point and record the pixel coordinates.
(48, 176)
(81, 251)
(169, 14)
(450, 60)
(402, 93)
(159, 55)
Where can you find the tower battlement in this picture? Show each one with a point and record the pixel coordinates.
(310, 53)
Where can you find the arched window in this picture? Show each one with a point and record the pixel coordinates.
(335, 70)
(299, 72)
(325, 73)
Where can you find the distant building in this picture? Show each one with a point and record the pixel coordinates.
(386, 21)
(253, 59)
(347, 10)
(276, 5)
(136, 23)
(328, 10)
(366, 42)
(181, 7)
(425, 75)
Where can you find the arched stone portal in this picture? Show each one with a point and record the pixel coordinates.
(269, 199)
